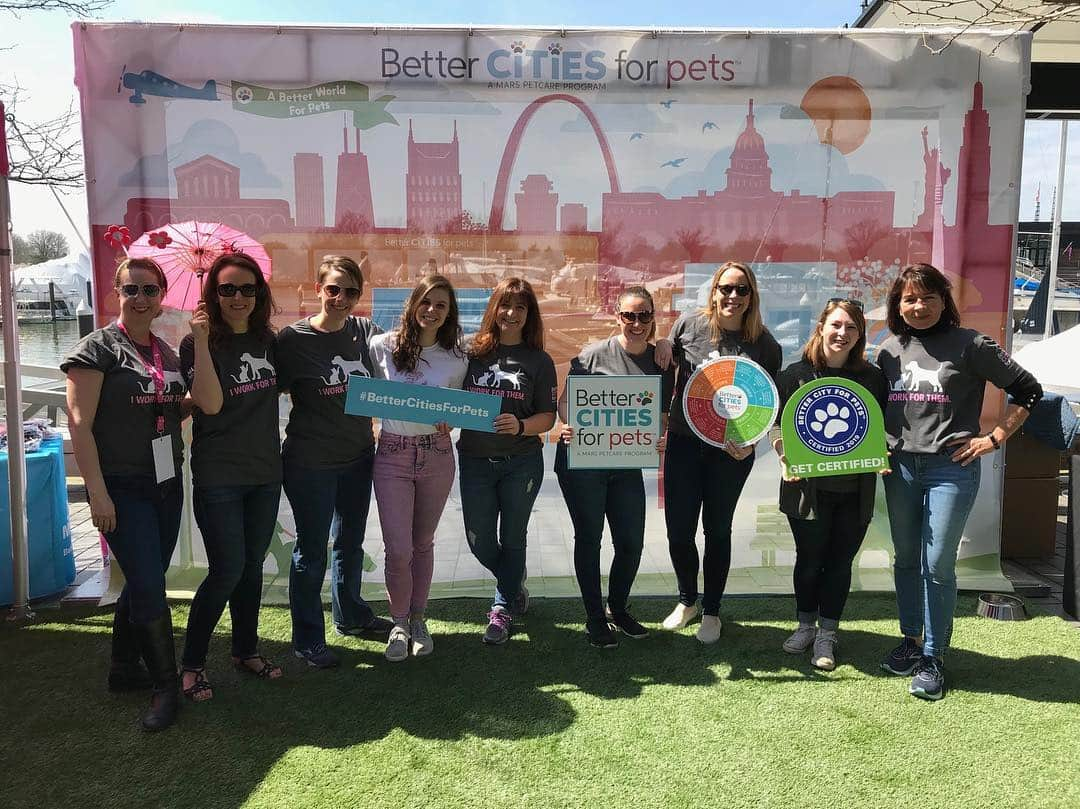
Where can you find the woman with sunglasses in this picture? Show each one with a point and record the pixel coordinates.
(327, 459)
(124, 394)
(501, 472)
(617, 494)
(414, 464)
(698, 477)
(235, 466)
(937, 374)
(828, 516)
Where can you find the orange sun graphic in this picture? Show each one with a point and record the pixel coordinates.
(840, 110)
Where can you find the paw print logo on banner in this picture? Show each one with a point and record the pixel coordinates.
(830, 421)
(517, 46)
(644, 398)
(555, 49)
(244, 95)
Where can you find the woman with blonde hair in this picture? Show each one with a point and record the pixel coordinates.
(699, 478)
(501, 472)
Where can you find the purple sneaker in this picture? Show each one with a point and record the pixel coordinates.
(498, 628)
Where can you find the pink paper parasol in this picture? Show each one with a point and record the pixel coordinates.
(185, 251)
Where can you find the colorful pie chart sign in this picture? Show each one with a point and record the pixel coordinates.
(732, 401)
(833, 426)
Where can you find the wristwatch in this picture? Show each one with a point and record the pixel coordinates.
(993, 440)
(521, 427)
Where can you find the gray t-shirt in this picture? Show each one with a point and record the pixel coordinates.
(936, 383)
(609, 358)
(525, 379)
(693, 345)
(126, 418)
(314, 367)
(437, 366)
(239, 445)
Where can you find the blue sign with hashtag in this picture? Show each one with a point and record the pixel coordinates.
(424, 404)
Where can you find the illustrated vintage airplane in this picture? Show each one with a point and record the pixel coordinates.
(155, 84)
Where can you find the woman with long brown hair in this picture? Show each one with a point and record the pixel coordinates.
(829, 515)
(414, 463)
(501, 471)
(235, 465)
(700, 478)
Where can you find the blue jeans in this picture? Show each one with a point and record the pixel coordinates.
(591, 495)
(929, 499)
(147, 525)
(237, 524)
(328, 503)
(497, 496)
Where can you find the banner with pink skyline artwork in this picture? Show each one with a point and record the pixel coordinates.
(583, 161)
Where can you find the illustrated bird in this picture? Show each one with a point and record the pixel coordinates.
(675, 163)
(708, 125)
(636, 136)
(667, 104)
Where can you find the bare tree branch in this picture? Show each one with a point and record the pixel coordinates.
(45, 152)
(1009, 16)
(86, 8)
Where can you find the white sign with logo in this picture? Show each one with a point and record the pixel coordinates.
(616, 421)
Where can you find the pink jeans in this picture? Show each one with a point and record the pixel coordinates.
(413, 475)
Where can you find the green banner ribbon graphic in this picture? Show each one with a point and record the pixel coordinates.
(300, 102)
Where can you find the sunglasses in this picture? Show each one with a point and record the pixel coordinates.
(333, 290)
(230, 290)
(636, 317)
(740, 290)
(149, 290)
(853, 301)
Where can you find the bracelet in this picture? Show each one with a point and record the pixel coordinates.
(521, 427)
(993, 440)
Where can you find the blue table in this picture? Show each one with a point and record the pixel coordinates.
(52, 562)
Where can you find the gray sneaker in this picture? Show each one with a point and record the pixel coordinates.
(801, 639)
(397, 648)
(498, 628)
(824, 655)
(422, 644)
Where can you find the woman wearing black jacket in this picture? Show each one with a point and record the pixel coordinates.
(829, 515)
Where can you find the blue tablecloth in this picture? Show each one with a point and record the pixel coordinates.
(52, 563)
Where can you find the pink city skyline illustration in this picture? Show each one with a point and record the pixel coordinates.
(747, 217)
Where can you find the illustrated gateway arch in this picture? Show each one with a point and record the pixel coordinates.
(506, 165)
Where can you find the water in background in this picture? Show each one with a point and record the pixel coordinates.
(46, 343)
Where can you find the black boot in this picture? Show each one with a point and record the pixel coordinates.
(127, 673)
(156, 642)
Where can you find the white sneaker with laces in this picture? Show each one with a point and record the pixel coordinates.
(710, 628)
(397, 648)
(422, 644)
(801, 639)
(680, 616)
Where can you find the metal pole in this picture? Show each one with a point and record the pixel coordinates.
(20, 558)
(1055, 239)
(52, 301)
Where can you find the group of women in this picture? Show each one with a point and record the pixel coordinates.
(128, 393)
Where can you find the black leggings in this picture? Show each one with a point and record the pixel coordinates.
(700, 478)
(824, 550)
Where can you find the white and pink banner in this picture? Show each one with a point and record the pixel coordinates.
(583, 161)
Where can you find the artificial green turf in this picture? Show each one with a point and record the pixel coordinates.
(548, 721)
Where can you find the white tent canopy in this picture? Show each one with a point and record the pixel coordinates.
(69, 274)
(1053, 362)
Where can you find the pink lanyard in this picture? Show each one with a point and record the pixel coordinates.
(156, 371)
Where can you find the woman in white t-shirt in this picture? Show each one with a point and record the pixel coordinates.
(414, 463)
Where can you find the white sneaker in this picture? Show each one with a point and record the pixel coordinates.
(680, 616)
(801, 639)
(422, 644)
(397, 648)
(824, 656)
(709, 630)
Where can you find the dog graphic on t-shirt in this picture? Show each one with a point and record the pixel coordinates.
(494, 376)
(170, 377)
(252, 367)
(341, 369)
(914, 375)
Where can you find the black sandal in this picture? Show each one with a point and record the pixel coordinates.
(201, 686)
(268, 671)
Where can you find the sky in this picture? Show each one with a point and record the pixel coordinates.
(39, 56)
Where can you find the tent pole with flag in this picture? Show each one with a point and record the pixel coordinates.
(20, 559)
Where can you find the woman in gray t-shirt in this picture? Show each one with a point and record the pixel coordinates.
(617, 494)
(936, 372)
